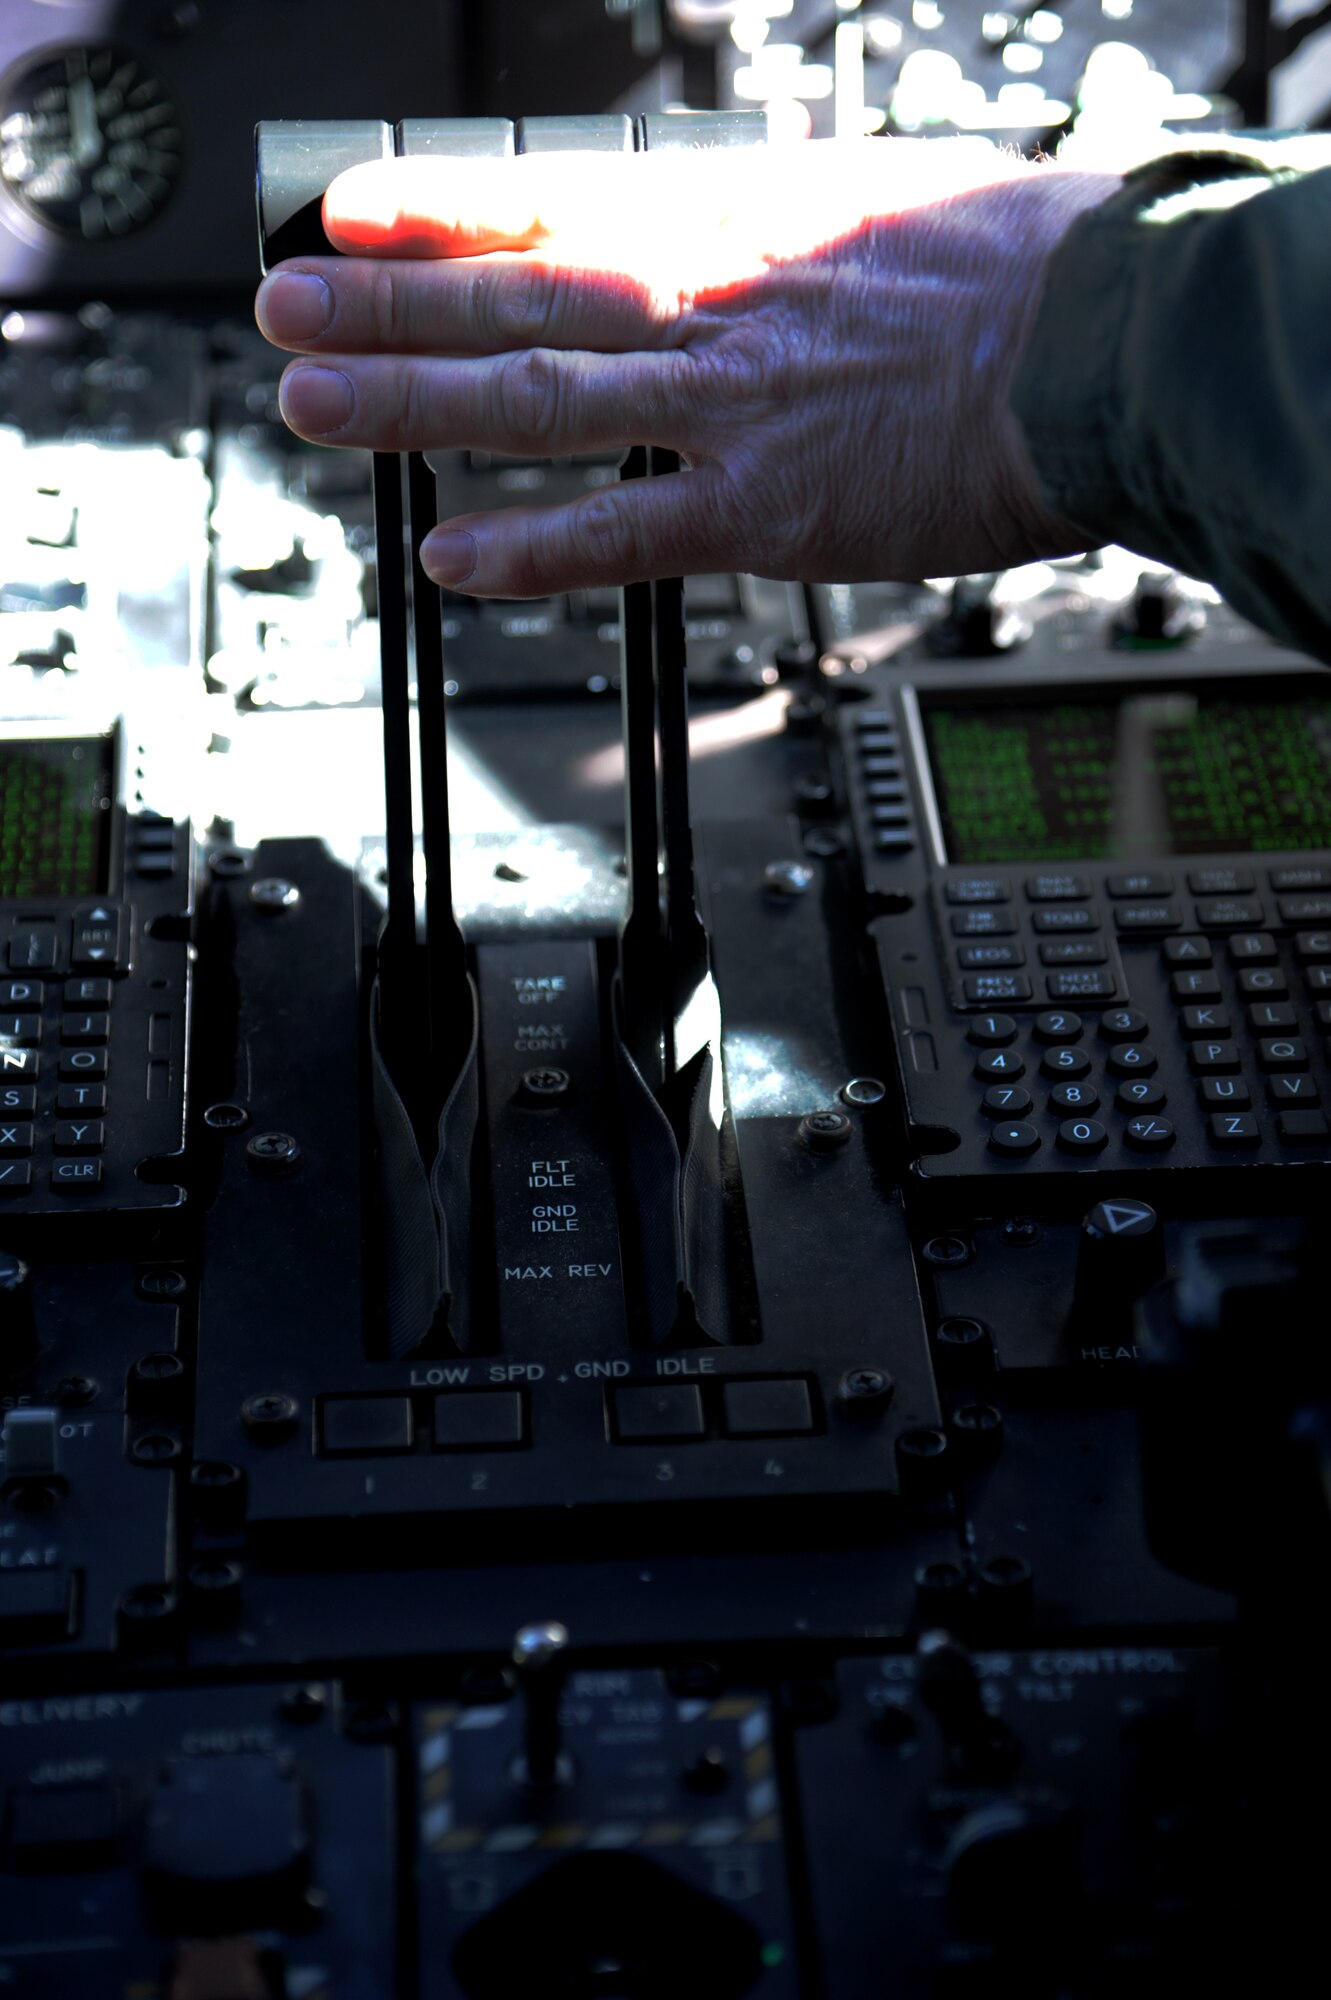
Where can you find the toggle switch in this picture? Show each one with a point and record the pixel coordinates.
(539, 1654)
(30, 1444)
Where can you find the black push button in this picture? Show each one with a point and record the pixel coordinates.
(33, 948)
(1230, 913)
(1313, 947)
(67, 1827)
(1063, 1064)
(1139, 1094)
(881, 764)
(1006, 1100)
(976, 957)
(76, 1176)
(885, 792)
(658, 1413)
(899, 840)
(1263, 979)
(1221, 882)
(1214, 1058)
(1057, 889)
(488, 1420)
(15, 1177)
(1146, 884)
(1082, 1135)
(15, 1063)
(999, 1065)
(1149, 1135)
(1187, 951)
(1014, 1141)
(19, 1031)
(983, 922)
(17, 1100)
(1057, 1025)
(989, 986)
(767, 1409)
(1133, 1059)
(15, 1139)
(81, 1098)
(1074, 951)
(884, 813)
(88, 992)
(1147, 916)
(1234, 1128)
(1282, 1052)
(1307, 875)
(85, 1030)
(1123, 1024)
(1322, 1010)
(151, 836)
(1271, 1015)
(152, 867)
(35, 1605)
(1199, 1021)
(76, 1064)
(359, 1426)
(1075, 1100)
(1194, 986)
(977, 889)
(1227, 1092)
(95, 936)
(1080, 984)
(1318, 978)
(1065, 917)
(21, 996)
(1302, 1128)
(1305, 909)
(1253, 948)
(1299, 1089)
(86, 1135)
(991, 1031)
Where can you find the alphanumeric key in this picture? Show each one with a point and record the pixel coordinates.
(1234, 1128)
(17, 1100)
(1139, 1093)
(1057, 1025)
(80, 1098)
(991, 1031)
(83, 1135)
(1149, 1135)
(1073, 1099)
(1225, 1093)
(1198, 1021)
(1123, 1024)
(1186, 951)
(1284, 1052)
(88, 992)
(1013, 1140)
(15, 1177)
(15, 1139)
(999, 1065)
(1272, 1014)
(1195, 986)
(1063, 1064)
(75, 1063)
(1133, 1059)
(1252, 948)
(1214, 1058)
(22, 996)
(1299, 1089)
(1312, 947)
(85, 1030)
(1005, 1100)
(1263, 979)
(1082, 1135)
(19, 1031)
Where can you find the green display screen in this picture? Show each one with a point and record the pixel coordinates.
(1142, 774)
(55, 817)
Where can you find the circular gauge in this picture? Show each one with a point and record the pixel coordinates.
(89, 142)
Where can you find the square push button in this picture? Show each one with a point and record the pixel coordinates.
(361, 1426)
(767, 1409)
(486, 1420)
(652, 1414)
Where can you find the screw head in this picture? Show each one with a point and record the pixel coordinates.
(304, 1704)
(814, 796)
(226, 1117)
(544, 1086)
(708, 1772)
(785, 879)
(155, 1448)
(866, 1386)
(979, 1422)
(371, 1721)
(272, 895)
(863, 1090)
(1007, 1581)
(825, 1131)
(923, 1442)
(214, 1575)
(1020, 1230)
(72, 1391)
(218, 1487)
(158, 1368)
(947, 1250)
(536, 1647)
(273, 1154)
(147, 1604)
(824, 843)
(269, 1415)
(228, 862)
(160, 1281)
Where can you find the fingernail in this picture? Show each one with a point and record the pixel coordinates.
(295, 305)
(316, 400)
(450, 556)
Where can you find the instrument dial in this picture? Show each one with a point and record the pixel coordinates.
(89, 142)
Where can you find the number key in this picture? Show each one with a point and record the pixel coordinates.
(1123, 1024)
(1132, 1059)
(1005, 1100)
(1057, 1026)
(1065, 1063)
(999, 1064)
(1139, 1094)
(991, 1030)
(1073, 1098)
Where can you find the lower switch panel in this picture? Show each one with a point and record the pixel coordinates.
(649, 1859)
(200, 1844)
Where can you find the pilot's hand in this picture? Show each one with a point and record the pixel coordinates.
(825, 334)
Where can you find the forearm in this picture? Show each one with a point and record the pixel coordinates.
(1175, 393)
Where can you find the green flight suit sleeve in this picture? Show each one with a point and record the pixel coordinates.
(1175, 394)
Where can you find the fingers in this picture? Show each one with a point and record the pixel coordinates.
(445, 207)
(475, 306)
(621, 534)
(535, 404)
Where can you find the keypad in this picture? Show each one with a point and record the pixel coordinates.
(55, 1066)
